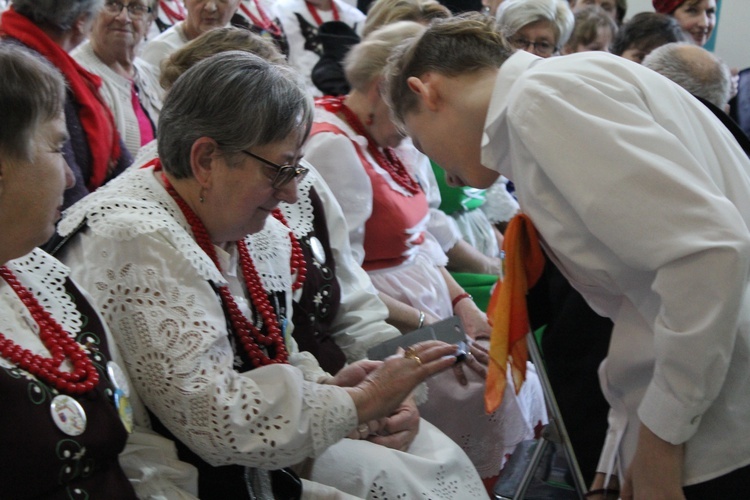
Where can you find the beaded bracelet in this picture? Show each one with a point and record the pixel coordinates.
(458, 298)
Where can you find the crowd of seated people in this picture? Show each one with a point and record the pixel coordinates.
(217, 293)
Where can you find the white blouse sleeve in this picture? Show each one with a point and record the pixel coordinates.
(171, 331)
(360, 322)
(336, 159)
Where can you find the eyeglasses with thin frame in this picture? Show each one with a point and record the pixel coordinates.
(284, 173)
(135, 10)
(541, 47)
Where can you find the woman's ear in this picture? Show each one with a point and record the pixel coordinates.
(202, 156)
(426, 88)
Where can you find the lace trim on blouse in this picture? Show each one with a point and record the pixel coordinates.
(135, 203)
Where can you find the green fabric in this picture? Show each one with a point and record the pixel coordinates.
(479, 286)
(455, 199)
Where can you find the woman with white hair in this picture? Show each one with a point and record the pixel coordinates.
(538, 26)
(130, 85)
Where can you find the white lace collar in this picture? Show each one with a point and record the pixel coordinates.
(44, 276)
(299, 215)
(135, 203)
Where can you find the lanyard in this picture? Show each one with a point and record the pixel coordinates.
(314, 12)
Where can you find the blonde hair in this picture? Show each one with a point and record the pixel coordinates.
(366, 61)
(384, 12)
(213, 42)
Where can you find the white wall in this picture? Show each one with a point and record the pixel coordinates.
(733, 30)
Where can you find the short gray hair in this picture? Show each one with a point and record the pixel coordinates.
(512, 15)
(236, 98)
(32, 92)
(60, 14)
(693, 68)
(366, 61)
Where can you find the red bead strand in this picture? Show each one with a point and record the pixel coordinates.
(385, 157)
(59, 343)
(251, 337)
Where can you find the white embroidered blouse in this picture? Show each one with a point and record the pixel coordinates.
(152, 282)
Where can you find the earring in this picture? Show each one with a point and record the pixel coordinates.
(370, 119)
(202, 198)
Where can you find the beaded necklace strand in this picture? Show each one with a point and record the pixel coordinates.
(84, 377)
(250, 336)
(385, 157)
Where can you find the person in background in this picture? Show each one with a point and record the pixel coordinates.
(678, 366)
(259, 17)
(357, 149)
(201, 16)
(615, 9)
(187, 294)
(593, 30)
(694, 69)
(643, 33)
(702, 74)
(538, 26)
(302, 21)
(130, 85)
(384, 12)
(695, 17)
(53, 28)
(169, 13)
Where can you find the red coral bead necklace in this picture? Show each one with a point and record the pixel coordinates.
(250, 336)
(61, 345)
(385, 157)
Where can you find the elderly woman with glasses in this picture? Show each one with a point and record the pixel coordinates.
(53, 28)
(202, 312)
(130, 85)
(538, 26)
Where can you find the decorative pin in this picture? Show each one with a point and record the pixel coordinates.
(68, 414)
(122, 403)
(317, 250)
(118, 378)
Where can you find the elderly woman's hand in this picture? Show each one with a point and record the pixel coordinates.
(399, 429)
(385, 388)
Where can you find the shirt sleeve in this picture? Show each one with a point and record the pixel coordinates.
(652, 220)
(171, 332)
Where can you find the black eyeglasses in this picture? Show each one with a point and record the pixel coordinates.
(284, 173)
(542, 48)
(135, 10)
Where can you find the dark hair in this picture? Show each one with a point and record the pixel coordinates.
(646, 31)
(32, 92)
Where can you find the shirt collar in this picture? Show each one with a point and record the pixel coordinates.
(494, 152)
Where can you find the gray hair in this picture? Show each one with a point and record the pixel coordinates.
(60, 14)
(366, 61)
(512, 15)
(693, 68)
(463, 44)
(236, 98)
(32, 92)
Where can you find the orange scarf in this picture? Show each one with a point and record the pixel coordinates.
(524, 263)
(96, 118)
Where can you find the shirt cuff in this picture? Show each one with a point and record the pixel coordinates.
(667, 417)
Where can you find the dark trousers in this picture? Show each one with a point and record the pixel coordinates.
(732, 486)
